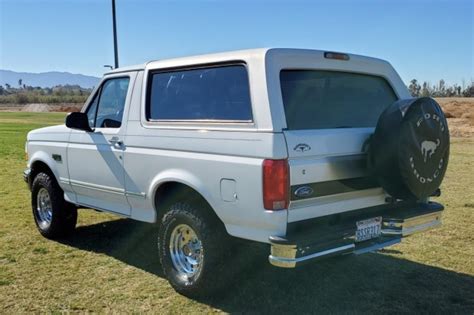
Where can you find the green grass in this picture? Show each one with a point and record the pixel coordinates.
(110, 264)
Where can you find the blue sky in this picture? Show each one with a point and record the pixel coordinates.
(427, 40)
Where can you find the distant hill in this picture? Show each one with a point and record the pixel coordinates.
(47, 79)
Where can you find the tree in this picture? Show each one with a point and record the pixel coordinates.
(469, 91)
(20, 83)
(414, 88)
(426, 90)
(441, 88)
(7, 86)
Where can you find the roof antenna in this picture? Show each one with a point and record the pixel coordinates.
(115, 35)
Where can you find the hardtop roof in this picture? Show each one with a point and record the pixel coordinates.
(233, 55)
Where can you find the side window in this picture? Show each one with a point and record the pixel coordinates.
(217, 93)
(92, 110)
(106, 110)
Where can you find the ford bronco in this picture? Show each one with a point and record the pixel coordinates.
(314, 153)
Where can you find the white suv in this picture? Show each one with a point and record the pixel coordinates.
(315, 153)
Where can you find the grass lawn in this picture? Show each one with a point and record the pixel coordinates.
(110, 264)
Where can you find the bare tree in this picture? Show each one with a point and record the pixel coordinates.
(414, 88)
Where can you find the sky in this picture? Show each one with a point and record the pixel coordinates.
(426, 40)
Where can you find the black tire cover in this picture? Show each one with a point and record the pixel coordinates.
(409, 149)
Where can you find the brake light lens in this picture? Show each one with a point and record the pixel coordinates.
(336, 56)
(275, 184)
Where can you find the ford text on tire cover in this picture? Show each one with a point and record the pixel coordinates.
(313, 153)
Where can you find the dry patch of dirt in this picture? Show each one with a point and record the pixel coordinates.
(460, 114)
(65, 107)
(37, 108)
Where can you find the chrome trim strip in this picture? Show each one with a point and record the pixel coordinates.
(113, 190)
(103, 188)
(341, 197)
(135, 194)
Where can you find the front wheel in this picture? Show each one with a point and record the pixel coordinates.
(192, 248)
(54, 217)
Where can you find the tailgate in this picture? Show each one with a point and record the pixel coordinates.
(328, 172)
(330, 116)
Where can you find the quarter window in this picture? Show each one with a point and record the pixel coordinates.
(106, 109)
(214, 93)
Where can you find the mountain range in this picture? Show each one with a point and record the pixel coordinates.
(47, 79)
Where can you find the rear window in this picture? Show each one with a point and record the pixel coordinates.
(315, 99)
(214, 93)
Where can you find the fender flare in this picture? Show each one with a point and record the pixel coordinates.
(41, 156)
(183, 177)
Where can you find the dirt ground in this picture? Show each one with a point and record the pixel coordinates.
(41, 108)
(460, 114)
(458, 110)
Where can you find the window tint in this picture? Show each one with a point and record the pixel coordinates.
(218, 93)
(106, 110)
(316, 99)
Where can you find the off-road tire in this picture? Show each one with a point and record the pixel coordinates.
(64, 214)
(215, 243)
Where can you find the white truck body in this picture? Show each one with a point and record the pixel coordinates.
(120, 170)
(217, 159)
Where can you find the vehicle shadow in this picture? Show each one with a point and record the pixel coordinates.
(350, 284)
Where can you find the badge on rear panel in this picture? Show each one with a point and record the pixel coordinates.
(302, 147)
(304, 191)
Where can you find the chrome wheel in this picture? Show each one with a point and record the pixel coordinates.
(44, 209)
(186, 251)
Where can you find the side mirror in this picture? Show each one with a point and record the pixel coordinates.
(79, 121)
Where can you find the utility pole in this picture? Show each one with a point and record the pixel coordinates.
(115, 35)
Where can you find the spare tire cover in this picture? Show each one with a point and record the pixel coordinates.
(409, 149)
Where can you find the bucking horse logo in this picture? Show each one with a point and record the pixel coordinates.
(428, 148)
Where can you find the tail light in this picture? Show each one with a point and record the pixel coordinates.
(275, 184)
(336, 56)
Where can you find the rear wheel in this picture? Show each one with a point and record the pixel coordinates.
(54, 217)
(192, 248)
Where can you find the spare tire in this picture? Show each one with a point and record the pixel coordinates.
(409, 149)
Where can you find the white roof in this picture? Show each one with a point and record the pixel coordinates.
(230, 55)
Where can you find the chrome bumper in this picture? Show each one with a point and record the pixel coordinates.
(290, 252)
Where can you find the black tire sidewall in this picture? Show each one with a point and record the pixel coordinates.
(202, 283)
(169, 226)
(64, 215)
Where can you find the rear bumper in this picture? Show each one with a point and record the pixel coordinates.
(330, 236)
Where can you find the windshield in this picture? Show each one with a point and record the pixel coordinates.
(315, 99)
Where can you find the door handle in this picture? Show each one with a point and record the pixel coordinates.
(116, 142)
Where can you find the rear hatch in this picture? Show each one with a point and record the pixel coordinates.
(330, 116)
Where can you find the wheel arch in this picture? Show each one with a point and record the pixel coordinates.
(40, 162)
(171, 182)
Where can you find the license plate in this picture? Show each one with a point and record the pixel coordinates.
(368, 229)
